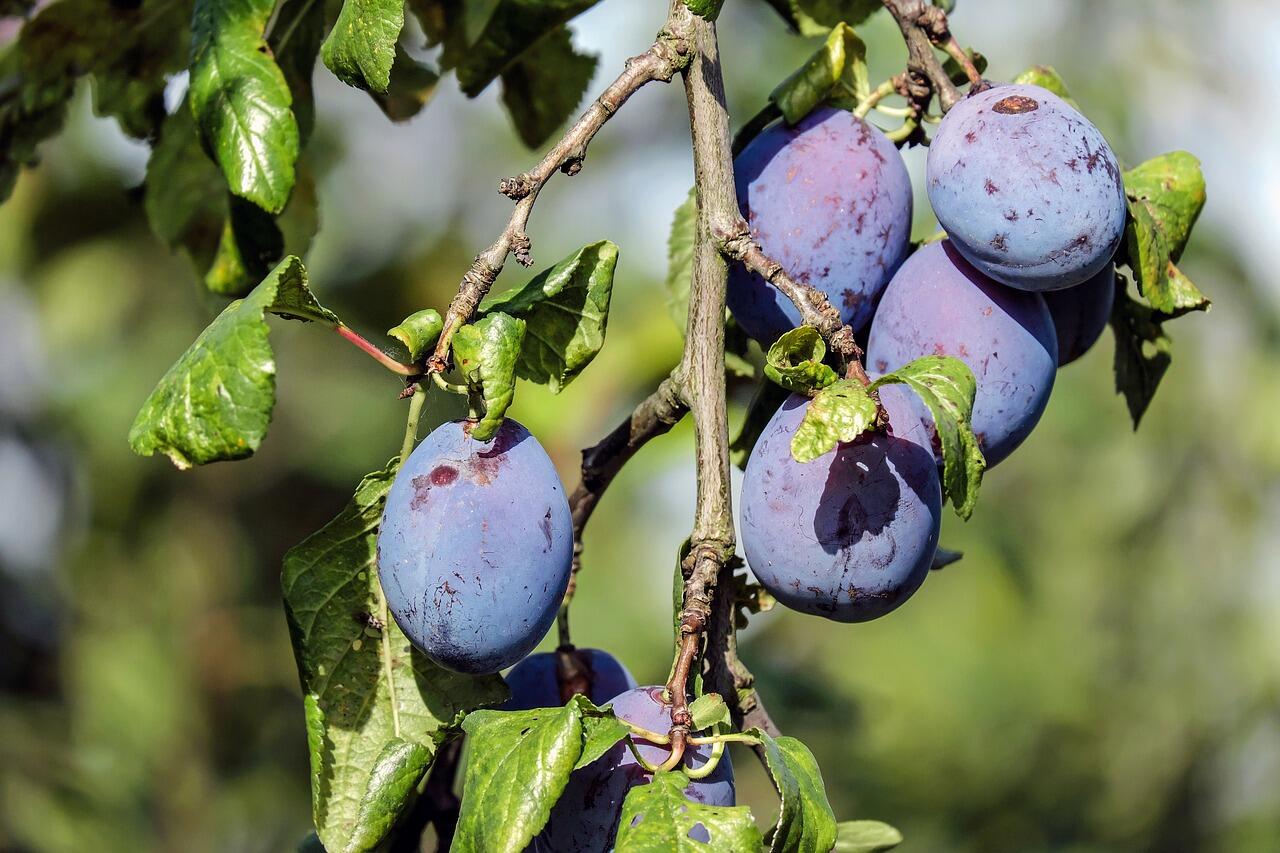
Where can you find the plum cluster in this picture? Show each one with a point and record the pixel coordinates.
(1032, 202)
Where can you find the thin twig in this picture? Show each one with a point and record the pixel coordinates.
(923, 26)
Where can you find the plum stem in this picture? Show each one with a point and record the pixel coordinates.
(713, 760)
(445, 385)
(411, 426)
(878, 94)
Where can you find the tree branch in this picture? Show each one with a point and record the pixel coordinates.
(667, 55)
(924, 26)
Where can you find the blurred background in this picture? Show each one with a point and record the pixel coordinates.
(1100, 673)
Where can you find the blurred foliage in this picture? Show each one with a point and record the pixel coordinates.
(1101, 672)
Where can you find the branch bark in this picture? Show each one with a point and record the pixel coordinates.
(923, 26)
(667, 55)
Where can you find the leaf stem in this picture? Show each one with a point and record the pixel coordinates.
(445, 385)
(365, 346)
(411, 426)
(713, 761)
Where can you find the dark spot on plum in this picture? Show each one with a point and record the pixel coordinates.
(990, 187)
(546, 528)
(1016, 105)
(849, 298)
(882, 365)
(443, 475)
(971, 137)
(1000, 242)
(1011, 215)
(421, 491)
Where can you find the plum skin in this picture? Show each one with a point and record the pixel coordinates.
(850, 535)
(938, 304)
(533, 681)
(1026, 188)
(475, 546)
(829, 199)
(1080, 313)
(585, 819)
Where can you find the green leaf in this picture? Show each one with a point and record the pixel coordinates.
(367, 688)
(520, 762)
(215, 402)
(795, 361)
(657, 818)
(249, 246)
(543, 88)
(947, 387)
(840, 64)
(840, 412)
(1046, 77)
(684, 231)
(362, 44)
(241, 100)
(418, 331)
(866, 836)
(486, 353)
(708, 9)
(295, 38)
(514, 27)
(412, 85)
(392, 786)
(445, 24)
(1166, 195)
(806, 823)
(1144, 352)
(708, 710)
(600, 731)
(567, 311)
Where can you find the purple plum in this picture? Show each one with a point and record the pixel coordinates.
(1080, 313)
(533, 681)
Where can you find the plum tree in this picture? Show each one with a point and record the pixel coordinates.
(850, 535)
(1080, 313)
(1026, 188)
(585, 818)
(475, 546)
(830, 198)
(938, 304)
(533, 681)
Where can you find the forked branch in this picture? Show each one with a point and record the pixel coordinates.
(925, 26)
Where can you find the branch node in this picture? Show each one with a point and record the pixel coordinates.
(516, 188)
(522, 248)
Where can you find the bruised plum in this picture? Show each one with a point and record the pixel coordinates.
(585, 819)
(938, 304)
(1026, 188)
(1080, 313)
(850, 535)
(475, 546)
(829, 199)
(533, 681)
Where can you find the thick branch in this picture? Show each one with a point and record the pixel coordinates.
(923, 26)
(667, 55)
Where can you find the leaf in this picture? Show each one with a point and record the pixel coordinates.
(241, 100)
(684, 232)
(392, 786)
(1144, 352)
(947, 387)
(806, 823)
(486, 352)
(412, 85)
(795, 361)
(865, 836)
(520, 762)
(250, 244)
(657, 818)
(215, 402)
(708, 9)
(362, 44)
(945, 557)
(708, 710)
(1166, 195)
(295, 38)
(600, 731)
(1046, 77)
(365, 685)
(841, 63)
(840, 412)
(542, 88)
(445, 24)
(567, 311)
(513, 28)
(418, 331)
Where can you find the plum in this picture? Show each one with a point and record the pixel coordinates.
(533, 681)
(475, 546)
(829, 199)
(1080, 313)
(585, 819)
(1026, 188)
(850, 535)
(938, 304)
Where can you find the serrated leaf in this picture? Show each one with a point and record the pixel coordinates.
(215, 402)
(600, 731)
(361, 47)
(514, 27)
(1143, 352)
(947, 387)
(839, 64)
(1046, 77)
(865, 836)
(543, 88)
(418, 331)
(684, 232)
(795, 361)
(657, 818)
(241, 100)
(806, 823)
(567, 311)
(486, 353)
(708, 9)
(392, 787)
(708, 710)
(840, 412)
(1166, 195)
(520, 762)
(412, 86)
(365, 684)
